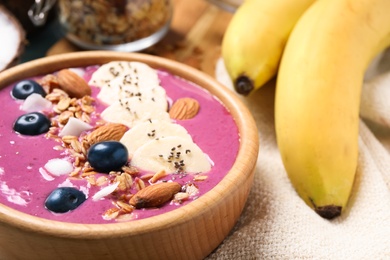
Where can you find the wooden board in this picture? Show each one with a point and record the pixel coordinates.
(194, 38)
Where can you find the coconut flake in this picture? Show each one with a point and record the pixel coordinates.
(58, 167)
(74, 127)
(78, 71)
(105, 191)
(14, 196)
(45, 174)
(66, 183)
(36, 102)
(12, 37)
(85, 190)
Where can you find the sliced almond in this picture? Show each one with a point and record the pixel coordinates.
(108, 132)
(124, 206)
(56, 95)
(200, 177)
(49, 82)
(125, 181)
(111, 213)
(63, 104)
(158, 175)
(64, 117)
(155, 195)
(180, 197)
(184, 108)
(130, 170)
(139, 184)
(73, 84)
(67, 139)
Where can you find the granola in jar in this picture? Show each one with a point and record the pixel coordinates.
(124, 25)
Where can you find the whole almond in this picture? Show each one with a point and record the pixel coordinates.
(184, 108)
(108, 132)
(155, 195)
(73, 84)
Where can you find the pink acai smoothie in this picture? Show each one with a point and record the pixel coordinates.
(25, 184)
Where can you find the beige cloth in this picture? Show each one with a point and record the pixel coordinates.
(277, 224)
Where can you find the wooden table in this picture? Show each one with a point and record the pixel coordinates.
(194, 38)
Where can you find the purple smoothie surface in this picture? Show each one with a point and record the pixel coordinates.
(25, 187)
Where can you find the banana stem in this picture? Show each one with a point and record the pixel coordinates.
(244, 85)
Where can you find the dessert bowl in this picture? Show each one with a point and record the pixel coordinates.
(189, 232)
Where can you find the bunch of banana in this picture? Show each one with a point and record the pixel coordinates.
(318, 95)
(255, 38)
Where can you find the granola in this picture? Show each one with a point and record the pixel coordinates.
(104, 22)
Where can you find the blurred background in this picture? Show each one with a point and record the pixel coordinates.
(193, 36)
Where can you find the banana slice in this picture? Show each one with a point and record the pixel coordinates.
(113, 69)
(131, 111)
(120, 88)
(141, 75)
(144, 132)
(172, 154)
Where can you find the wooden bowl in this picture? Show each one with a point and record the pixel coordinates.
(189, 232)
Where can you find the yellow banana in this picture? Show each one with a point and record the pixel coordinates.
(255, 38)
(318, 94)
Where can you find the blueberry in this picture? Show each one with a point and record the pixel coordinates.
(32, 124)
(64, 199)
(25, 88)
(107, 156)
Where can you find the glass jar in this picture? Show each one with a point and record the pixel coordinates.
(121, 25)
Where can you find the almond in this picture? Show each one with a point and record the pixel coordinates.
(108, 132)
(184, 108)
(73, 84)
(155, 195)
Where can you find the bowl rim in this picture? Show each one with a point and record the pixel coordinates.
(245, 160)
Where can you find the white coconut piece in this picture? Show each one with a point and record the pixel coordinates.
(58, 167)
(105, 191)
(36, 102)
(12, 37)
(78, 71)
(74, 127)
